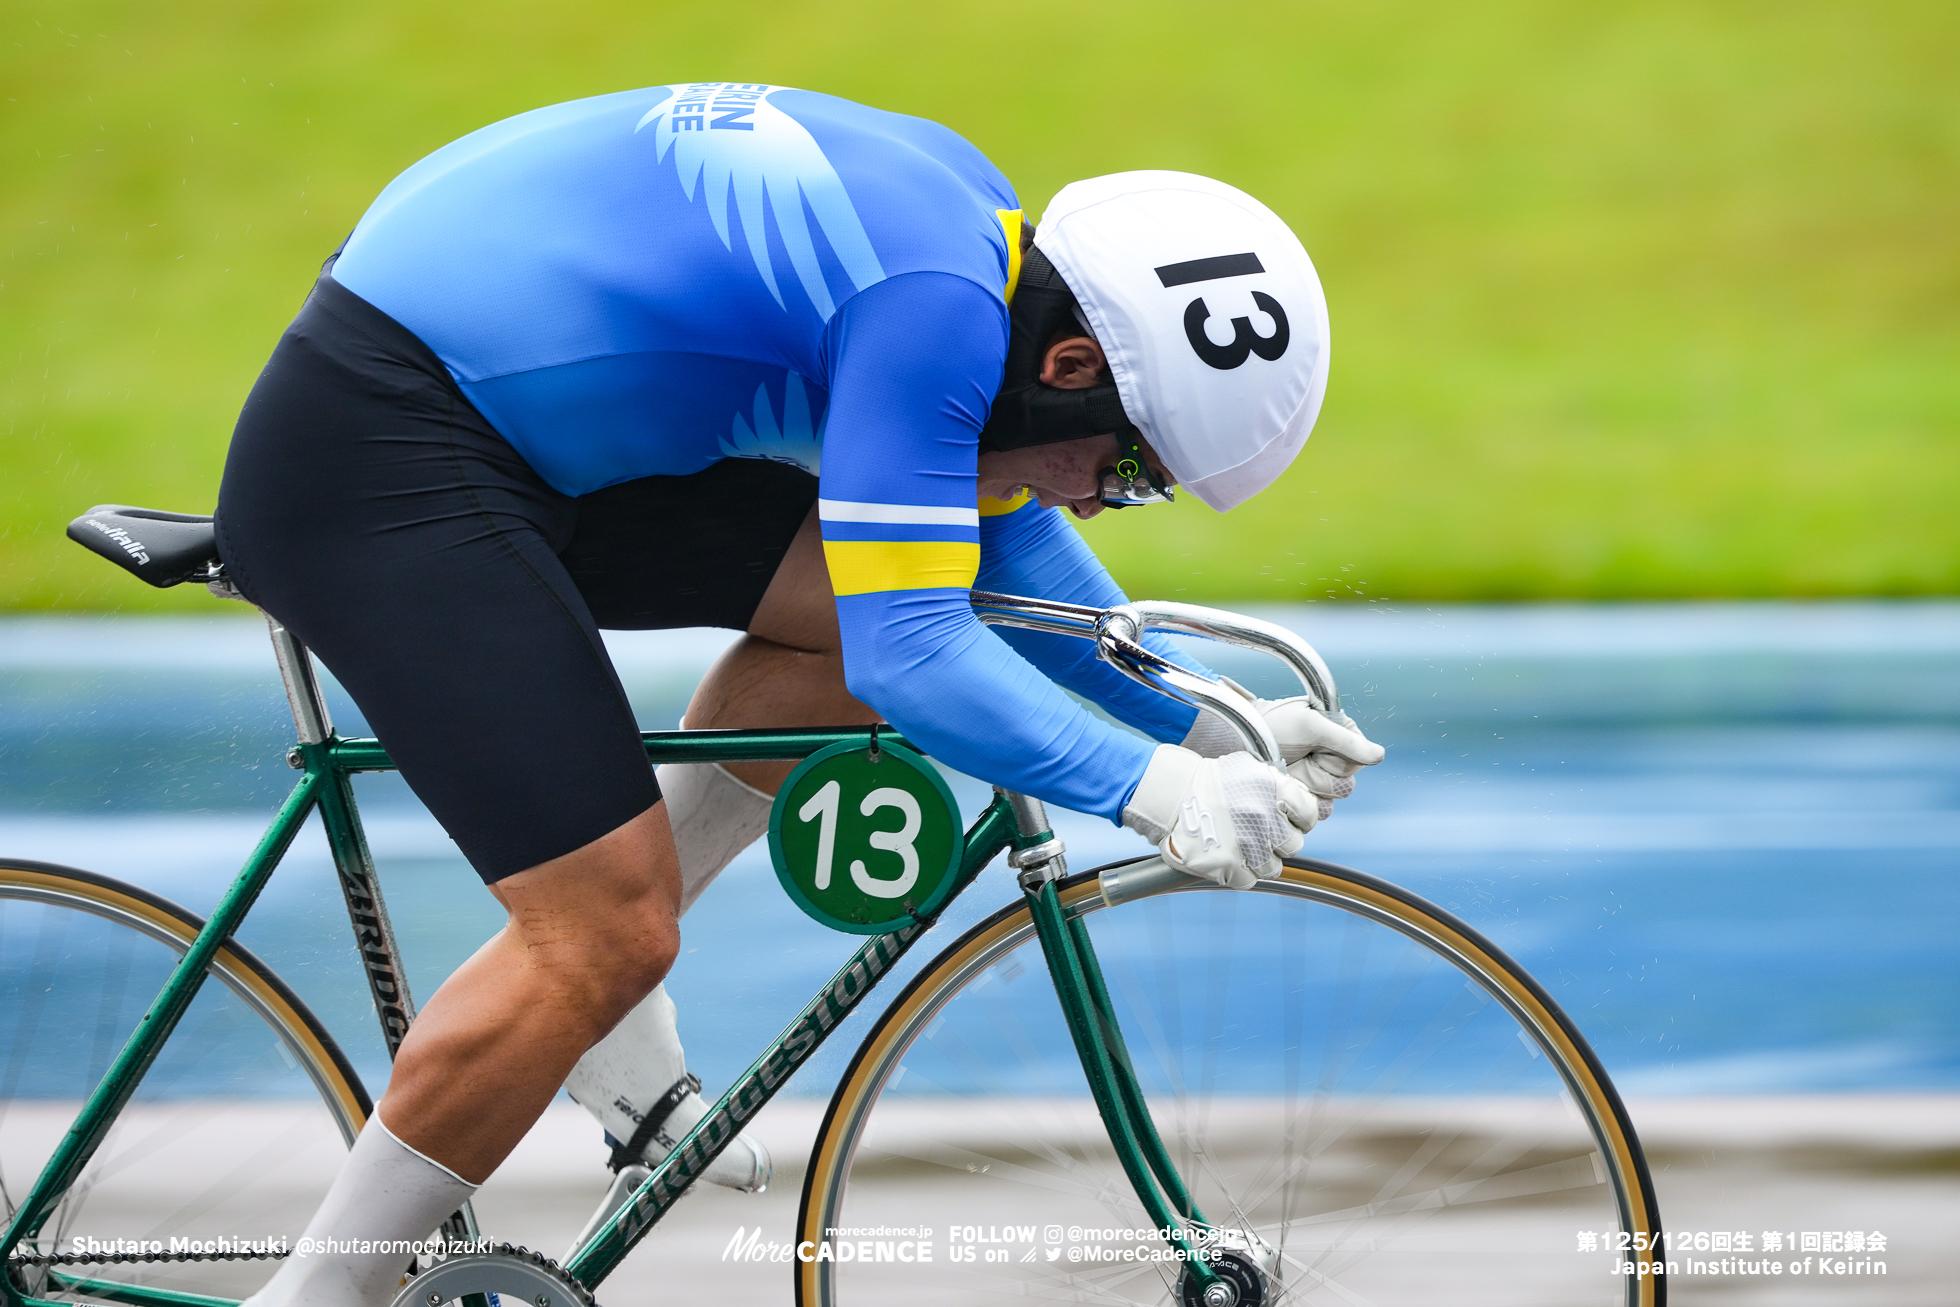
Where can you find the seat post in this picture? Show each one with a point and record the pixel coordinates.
(303, 695)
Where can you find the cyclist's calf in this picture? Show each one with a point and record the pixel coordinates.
(590, 934)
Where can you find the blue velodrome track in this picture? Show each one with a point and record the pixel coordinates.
(1724, 835)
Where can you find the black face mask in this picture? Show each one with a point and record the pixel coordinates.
(1027, 412)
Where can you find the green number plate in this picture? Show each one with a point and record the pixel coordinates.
(864, 842)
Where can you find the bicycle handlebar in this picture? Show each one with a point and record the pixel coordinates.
(1117, 632)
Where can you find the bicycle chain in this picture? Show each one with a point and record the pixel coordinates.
(129, 1259)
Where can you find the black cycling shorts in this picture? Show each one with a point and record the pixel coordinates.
(370, 508)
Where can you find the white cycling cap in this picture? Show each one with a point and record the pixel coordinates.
(1211, 316)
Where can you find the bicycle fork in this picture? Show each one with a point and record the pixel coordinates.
(1038, 861)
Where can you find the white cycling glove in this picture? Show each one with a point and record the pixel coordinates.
(1322, 752)
(1227, 819)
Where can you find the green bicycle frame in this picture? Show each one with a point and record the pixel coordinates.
(329, 763)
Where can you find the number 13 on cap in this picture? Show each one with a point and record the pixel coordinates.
(866, 841)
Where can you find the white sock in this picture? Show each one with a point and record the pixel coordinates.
(385, 1191)
(714, 816)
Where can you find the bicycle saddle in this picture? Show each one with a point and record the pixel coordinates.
(162, 548)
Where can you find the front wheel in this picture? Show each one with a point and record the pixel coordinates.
(1370, 1103)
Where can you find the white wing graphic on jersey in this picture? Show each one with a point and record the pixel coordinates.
(759, 151)
(795, 441)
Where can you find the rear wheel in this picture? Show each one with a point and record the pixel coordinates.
(1370, 1103)
(235, 1131)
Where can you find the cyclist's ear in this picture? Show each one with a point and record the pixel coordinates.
(1074, 363)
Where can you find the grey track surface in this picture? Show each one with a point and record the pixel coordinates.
(1798, 1163)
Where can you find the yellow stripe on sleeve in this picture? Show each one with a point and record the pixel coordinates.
(860, 567)
(991, 507)
(1010, 222)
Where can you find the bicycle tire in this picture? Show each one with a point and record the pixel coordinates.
(234, 1132)
(1451, 1168)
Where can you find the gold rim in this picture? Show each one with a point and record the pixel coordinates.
(321, 1067)
(829, 1159)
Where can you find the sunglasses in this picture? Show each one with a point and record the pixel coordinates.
(1130, 482)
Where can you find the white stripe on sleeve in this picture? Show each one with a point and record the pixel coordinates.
(849, 510)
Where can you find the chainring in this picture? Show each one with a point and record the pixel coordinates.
(520, 1278)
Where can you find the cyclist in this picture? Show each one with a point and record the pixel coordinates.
(745, 356)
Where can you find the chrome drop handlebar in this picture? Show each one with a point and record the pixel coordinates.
(1117, 633)
(1248, 633)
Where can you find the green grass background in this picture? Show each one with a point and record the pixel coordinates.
(1630, 300)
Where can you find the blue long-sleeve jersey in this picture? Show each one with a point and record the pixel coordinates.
(649, 282)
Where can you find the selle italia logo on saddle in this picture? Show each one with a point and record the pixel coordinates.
(130, 544)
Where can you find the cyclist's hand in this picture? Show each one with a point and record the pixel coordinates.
(1228, 819)
(1322, 752)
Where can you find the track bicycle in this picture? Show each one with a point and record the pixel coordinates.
(1321, 1090)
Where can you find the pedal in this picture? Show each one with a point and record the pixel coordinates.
(744, 1165)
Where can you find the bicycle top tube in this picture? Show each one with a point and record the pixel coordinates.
(762, 744)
